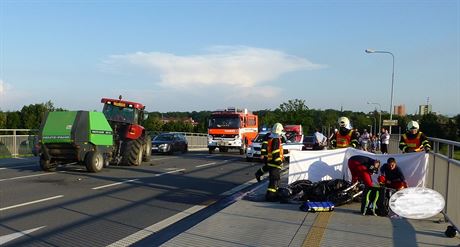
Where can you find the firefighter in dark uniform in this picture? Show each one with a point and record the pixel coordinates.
(275, 161)
(414, 140)
(345, 137)
(263, 156)
(362, 168)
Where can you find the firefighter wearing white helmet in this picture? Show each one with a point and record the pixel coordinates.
(274, 161)
(414, 140)
(276, 131)
(345, 137)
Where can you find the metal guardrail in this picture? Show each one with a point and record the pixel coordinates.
(195, 140)
(21, 142)
(443, 173)
(17, 142)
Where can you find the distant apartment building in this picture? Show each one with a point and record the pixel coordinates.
(400, 110)
(424, 109)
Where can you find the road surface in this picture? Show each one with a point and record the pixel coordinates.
(118, 206)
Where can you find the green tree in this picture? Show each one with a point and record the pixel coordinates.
(33, 115)
(295, 112)
(13, 120)
(153, 123)
(430, 126)
(2, 120)
(456, 121)
(296, 105)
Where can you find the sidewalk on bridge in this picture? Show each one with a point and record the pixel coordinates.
(250, 221)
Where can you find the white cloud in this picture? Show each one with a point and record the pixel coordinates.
(236, 66)
(2, 86)
(13, 99)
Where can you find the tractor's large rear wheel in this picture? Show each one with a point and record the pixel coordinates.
(132, 151)
(46, 165)
(94, 161)
(147, 148)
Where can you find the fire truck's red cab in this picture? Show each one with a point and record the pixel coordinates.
(231, 128)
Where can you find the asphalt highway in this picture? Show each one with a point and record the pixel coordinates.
(118, 206)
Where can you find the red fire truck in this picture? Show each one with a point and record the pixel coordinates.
(231, 128)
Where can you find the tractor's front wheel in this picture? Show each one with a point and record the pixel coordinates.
(94, 161)
(46, 165)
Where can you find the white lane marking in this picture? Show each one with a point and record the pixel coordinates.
(215, 163)
(137, 236)
(134, 180)
(14, 167)
(10, 237)
(165, 158)
(208, 164)
(239, 187)
(114, 184)
(32, 202)
(28, 176)
(161, 174)
(171, 168)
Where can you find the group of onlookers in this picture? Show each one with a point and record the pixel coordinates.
(373, 143)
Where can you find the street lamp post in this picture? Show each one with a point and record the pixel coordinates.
(392, 79)
(380, 114)
(375, 125)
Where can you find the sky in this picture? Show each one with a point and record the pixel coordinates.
(206, 55)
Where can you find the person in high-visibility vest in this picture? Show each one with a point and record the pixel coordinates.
(345, 137)
(414, 140)
(275, 159)
(263, 157)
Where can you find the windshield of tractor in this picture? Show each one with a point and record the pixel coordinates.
(120, 114)
(224, 122)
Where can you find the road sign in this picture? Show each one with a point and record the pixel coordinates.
(388, 122)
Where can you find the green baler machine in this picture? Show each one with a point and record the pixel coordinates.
(76, 136)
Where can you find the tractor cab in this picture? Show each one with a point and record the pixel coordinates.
(125, 117)
(133, 144)
(121, 111)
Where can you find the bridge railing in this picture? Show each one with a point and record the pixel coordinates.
(443, 173)
(21, 142)
(17, 142)
(195, 140)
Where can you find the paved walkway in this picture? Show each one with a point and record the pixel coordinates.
(253, 222)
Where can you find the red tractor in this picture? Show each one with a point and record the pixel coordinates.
(133, 144)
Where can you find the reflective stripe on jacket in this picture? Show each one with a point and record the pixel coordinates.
(411, 144)
(275, 155)
(343, 141)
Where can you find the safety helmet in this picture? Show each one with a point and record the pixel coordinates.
(412, 125)
(344, 122)
(277, 129)
(284, 194)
